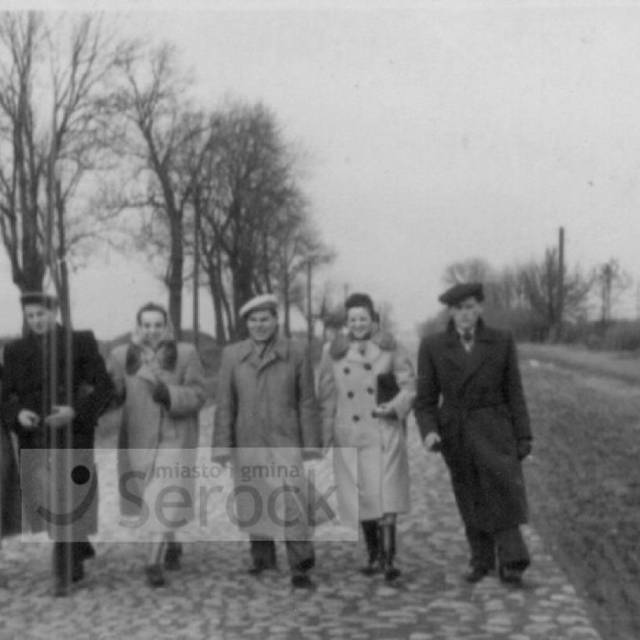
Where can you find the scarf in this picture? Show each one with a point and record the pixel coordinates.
(165, 355)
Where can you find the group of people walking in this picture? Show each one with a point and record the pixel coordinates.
(274, 409)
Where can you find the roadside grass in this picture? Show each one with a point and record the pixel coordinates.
(623, 365)
(584, 483)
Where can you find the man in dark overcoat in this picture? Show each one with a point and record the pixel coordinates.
(470, 405)
(10, 508)
(55, 386)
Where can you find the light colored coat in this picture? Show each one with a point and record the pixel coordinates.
(372, 474)
(156, 442)
(267, 420)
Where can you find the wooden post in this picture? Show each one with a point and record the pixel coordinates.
(560, 310)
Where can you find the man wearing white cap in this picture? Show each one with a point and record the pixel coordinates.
(267, 422)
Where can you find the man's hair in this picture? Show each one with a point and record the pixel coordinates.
(151, 306)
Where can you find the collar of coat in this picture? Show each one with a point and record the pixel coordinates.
(280, 348)
(481, 333)
(341, 343)
(166, 355)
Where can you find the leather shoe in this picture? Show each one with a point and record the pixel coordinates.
(61, 589)
(155, 577)
(476, 574)
(172, 556)
(77, 572)
(370, 569)
(301, 581)
(511, 576)
(258, 567)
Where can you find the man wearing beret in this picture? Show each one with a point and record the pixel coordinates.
(470, 406)
(54, 388)
(267, 423)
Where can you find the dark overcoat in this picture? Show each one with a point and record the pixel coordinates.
(35, 378)
(475, 402)
(10, 508)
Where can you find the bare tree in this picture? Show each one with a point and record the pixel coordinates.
(256, 235)
(540, 282)
(611, 281)
(471, 270)
(53, 86)
(165, 137)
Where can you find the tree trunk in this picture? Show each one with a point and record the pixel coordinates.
(174, 279)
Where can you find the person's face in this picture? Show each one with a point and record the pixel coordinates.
(262, 325)
(466, 313)
(39, 319)
(152, 327)
(359, 322)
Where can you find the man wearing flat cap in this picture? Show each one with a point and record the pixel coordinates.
(470, 406)
(267, 423)
(54, 388)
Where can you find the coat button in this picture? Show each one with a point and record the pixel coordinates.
(350, 394)
(356, 418)
(370, 390)
(367, 367)
(373, 414)
(346, 370)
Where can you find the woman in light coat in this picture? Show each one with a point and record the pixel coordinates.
(366, 389)
(160, 381)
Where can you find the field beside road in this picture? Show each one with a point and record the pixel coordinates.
(584, 477)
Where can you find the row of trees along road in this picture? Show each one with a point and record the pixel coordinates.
(526, 298)
(102, 143)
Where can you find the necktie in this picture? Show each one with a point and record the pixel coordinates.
(467, 340)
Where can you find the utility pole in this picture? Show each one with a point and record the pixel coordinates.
(309, 309)
(560, 311)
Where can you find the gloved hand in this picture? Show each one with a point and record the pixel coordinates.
(161, 395)
(60, 416)
(523, 448)
(28, 419)
(432, 442)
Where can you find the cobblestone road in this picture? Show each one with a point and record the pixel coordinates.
(213, 597)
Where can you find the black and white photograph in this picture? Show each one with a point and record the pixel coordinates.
(319, 319)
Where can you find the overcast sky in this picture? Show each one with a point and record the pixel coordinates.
(434, 132)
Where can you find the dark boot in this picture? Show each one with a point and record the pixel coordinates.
(155, 576)
(370, 529)
(67, 567)
(85, 550)
(388, 543)
(172, 556)
(263, 555)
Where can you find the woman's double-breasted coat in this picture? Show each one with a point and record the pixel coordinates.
(10, 501)
(476, 403)
(370, 453)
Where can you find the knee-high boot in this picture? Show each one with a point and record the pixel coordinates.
(371, 532)
(388, 540)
